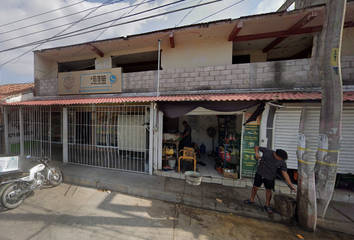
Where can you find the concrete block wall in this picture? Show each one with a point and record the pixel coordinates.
(46, 87)
(287, 75)
(281, 74)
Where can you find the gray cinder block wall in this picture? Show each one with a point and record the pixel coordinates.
(287, 75)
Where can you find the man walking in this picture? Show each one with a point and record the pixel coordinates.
(267, 173)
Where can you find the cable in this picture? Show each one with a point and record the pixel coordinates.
(53, 19)
(39, 41)
(187, 14)
(54, 35)
(48, 29)
(93, 40)
(40, 14)
(67, 35)
(219, 11)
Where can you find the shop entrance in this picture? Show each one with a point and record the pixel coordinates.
(213, 133)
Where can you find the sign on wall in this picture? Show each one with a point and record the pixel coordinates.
(9, 163)
(90, 81)
(250, 140)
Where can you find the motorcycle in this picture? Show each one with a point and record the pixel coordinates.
(19, 185)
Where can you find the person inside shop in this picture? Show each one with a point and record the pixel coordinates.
(186, 136)
(267, 173)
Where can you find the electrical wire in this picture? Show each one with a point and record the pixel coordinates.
(87, 45)
(48, 29)
(53, 19)
(187, 14)
(220, 11)
(67, 35)
(36, 42)
(18, 57)
(40, 14)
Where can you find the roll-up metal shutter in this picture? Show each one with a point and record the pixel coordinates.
(286, 130)
(346, 155)
(286, 127)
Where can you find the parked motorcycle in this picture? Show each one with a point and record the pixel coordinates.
(18, 185)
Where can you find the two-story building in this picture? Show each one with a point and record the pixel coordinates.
(108, 103)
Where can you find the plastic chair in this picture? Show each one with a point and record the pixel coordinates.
(188, 155)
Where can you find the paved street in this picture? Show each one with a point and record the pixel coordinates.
(72, 212)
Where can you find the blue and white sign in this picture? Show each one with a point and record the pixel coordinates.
(91, 81)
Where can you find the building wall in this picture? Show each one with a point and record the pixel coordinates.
(255, 56)
(288, 75)
(348, 42)
(197, 54)
(44, 68)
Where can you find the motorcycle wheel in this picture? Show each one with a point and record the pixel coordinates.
(55, 176)
(9, 198)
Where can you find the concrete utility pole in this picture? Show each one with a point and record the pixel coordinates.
(332, 103)
(306, 191)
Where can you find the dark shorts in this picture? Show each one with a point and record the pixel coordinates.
(258, 180)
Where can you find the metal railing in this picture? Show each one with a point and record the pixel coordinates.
(109, 136)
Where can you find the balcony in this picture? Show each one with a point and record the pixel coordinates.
(262, 76)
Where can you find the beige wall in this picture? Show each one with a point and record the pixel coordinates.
(258, 56)
(44, 68)
(255, 55)
(197, 54)
(348, 42)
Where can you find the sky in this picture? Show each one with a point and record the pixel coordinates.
(23, 22)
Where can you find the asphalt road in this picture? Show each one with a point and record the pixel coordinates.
(72, 212)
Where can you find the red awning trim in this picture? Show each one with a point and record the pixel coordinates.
(347, 96)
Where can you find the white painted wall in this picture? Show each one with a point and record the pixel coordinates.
(103, 62)
(44, 68)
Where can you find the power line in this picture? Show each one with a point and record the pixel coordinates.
(219, 11)
(54, 35)
(59, 26)
(93, 40)
(67, 35)
(53, 19)
(187, 14)
(20, 20)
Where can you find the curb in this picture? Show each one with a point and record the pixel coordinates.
(175, 198)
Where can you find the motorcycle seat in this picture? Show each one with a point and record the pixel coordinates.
(13, 174)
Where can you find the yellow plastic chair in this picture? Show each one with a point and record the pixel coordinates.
(188, 155)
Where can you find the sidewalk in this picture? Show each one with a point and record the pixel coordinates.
(210, 196)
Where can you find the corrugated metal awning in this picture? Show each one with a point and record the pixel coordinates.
(347, 96)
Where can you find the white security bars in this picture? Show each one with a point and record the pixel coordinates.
(109, 136)
(34, 123)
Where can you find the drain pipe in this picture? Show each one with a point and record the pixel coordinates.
(158, 70)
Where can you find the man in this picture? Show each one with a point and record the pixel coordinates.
(266, 173)
(186, 135)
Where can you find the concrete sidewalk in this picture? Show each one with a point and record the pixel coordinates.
(210, 196)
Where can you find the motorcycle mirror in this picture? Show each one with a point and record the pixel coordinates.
(28, 156)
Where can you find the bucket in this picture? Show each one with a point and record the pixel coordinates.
(193, 178)
(285, 205)
(172, 163)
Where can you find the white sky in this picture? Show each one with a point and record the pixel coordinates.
(21, 69)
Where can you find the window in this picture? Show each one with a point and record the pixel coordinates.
(136, 62)
(88, 64)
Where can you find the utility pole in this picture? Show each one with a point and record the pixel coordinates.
(306, 191)
(332, 104)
